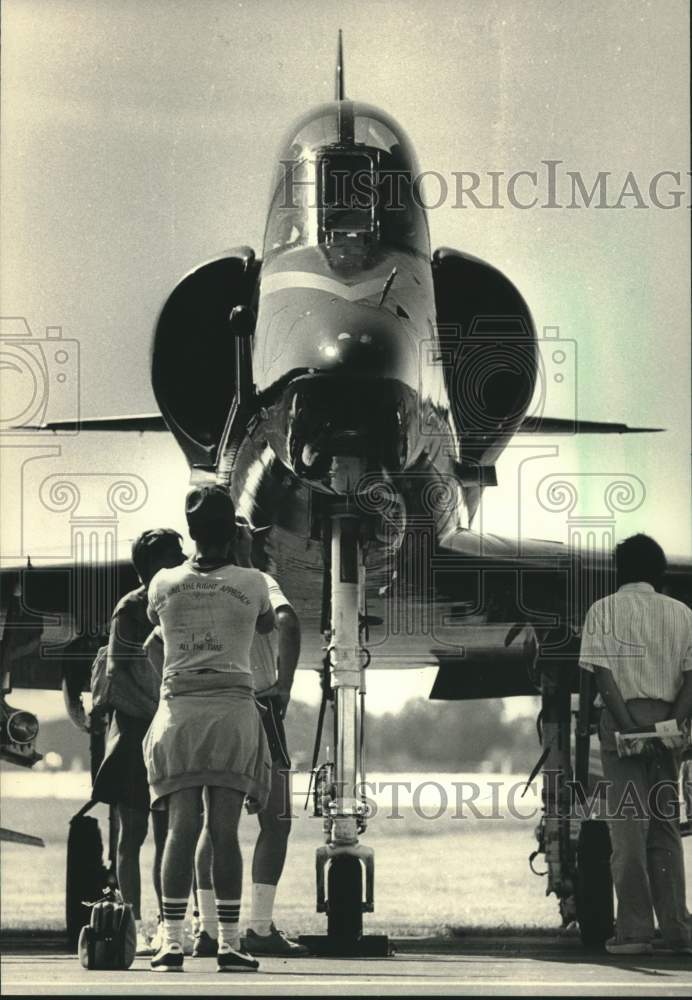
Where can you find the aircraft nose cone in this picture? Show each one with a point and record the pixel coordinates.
(361, 341)
(353, 350)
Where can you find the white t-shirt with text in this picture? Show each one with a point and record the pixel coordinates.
(207, 617)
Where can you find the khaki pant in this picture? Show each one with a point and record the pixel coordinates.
(647, 862)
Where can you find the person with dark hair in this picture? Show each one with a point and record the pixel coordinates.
(640, 559)
(207, 735)
(638, 643)
(131, 692)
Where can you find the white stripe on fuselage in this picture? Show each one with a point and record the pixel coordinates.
(286, 280)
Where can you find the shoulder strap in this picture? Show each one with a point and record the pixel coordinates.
(84, 810)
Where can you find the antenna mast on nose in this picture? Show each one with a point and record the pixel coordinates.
(340, 89)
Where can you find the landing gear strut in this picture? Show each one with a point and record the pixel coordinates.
(345, 868)
(576, 847)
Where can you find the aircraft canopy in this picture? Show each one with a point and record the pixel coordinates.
(346, 177)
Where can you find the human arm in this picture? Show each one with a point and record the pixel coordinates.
(682, 706)
(125, 653)
(75, 706)
(266, 619)
(597, 653)
(288, 655)
(266, 622)
(613, 700)
(153, 647)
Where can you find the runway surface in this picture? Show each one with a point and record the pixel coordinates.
(481, 967)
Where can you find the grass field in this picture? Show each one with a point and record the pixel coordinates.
(431, 875)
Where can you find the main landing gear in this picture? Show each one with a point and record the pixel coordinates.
(345, 868)
(576, 846)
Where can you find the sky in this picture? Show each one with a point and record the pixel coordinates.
(139, 138)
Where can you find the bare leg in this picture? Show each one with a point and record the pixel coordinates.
(223, 816)
(184, 822)
(225, 806)
(203, 859)
(133, 832)
(270, 851)
(159, 822)
(275, 826)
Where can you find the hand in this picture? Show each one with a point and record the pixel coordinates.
(251, 806)
(276, 691)
(75, 710)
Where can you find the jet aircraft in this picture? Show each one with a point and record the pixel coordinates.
(354, 391)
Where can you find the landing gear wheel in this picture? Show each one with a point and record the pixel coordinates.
(345, 895)
(594, 884)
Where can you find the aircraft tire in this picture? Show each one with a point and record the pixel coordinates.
(345, 888)
(594, 885)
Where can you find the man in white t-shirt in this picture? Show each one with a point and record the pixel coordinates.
(274, 658)
(638, 643)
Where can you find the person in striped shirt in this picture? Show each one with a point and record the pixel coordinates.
(638, 644)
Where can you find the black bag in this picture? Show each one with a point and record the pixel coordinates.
(86, 876)
(109, 941)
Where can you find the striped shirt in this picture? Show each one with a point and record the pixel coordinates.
(263, 653)
(643, 638)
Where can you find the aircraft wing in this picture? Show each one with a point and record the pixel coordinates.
(482, 609)
(137, 422)
(54, 618)
(562, 425)
(502, 617)
(14, 837)
(486, 611)
(142, 422)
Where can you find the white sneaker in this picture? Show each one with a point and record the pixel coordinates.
(169, 958)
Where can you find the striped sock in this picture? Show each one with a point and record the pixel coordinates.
(228, 912)
(173, 916)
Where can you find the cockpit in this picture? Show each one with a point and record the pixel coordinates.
(346, 180)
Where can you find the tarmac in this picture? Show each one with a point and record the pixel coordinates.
(481, 966)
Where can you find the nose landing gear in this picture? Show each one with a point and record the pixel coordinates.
(345, 869)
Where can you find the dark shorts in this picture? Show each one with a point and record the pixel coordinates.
(275, 731)
(122, 777)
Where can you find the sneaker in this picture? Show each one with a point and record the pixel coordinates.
(274, 943)
(615, 947)
(205, 946)
(143, 946)
(230, 960)
(169, 958)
